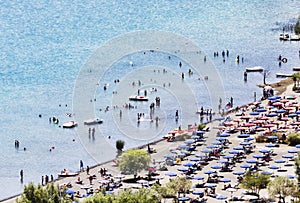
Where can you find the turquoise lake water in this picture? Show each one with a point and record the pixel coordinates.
(45, 45)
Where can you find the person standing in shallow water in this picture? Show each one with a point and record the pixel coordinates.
(21, 175)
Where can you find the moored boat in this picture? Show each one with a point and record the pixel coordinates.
(70, 124)
(255, 69)
(66, 173)
(296, 69)
(138, 98)
(283, 75)
(93, 121)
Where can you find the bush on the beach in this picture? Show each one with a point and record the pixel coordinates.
(293, 139)
(50, 193)
(260, 139)
(120, 146)
(201, 126)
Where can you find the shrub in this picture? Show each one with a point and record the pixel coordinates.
(293, 139)
(260, 139)
(201, 126)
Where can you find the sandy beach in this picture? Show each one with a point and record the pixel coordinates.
(163, 148)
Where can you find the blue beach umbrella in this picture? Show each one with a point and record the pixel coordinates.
(251, 161)
(297, 112)
(274, 97)
(216, 167)
(291, 176)
(183, 199)
(70, 192)
(109, 192)
(258, 156)
(266, 173)
(272, 137)
(238, 173)
(273, 167)
(261, 110)
(245, 143)
(198, 192)
(264, 150)
(182, 169)
(234, 152)
(254, 113)
(238, 148)
(224, 135)
(293, 151)
(221, 138)
(168, 156)
(195, 137)
(219, 119)
(206, 150)
(292, 115)
(200, 155)
(249, 139)
(245, 166)
(287, 156)
(272, 114)
(280, 111)
(212, 147)
(195, 159)
(171, 174)
(200, 132)
(228, 157)
(224, 180)
(188, 164)
(189, 141)
(223, 161)
(279, 161)
(270, 145)
(209, 172)
(243, 136)
(221, 197)
(210, 185)
(217, 143)
(198, 178)
(183, 146)
(297, 146)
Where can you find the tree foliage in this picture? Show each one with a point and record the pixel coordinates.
(255, 181)
(40, 194)
(134, 161)
(297, 27)
(282, 186)
(180, 185)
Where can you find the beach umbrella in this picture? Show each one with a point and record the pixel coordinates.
(234, 152)
(238, 148)
(183, 169)
(171, 174)
(228, 157)
(245, 143)
(254, 113)
(293, 151)
(217, 143)
(223, 161)
(200, 132)
(251, 161)
(297, 112)
(284, 100)
(183, 146)
(264, 151)
(195, 159)
(183, 198)
(272, 114)
(273, 167)
(258, 156)
(270, 145)
(266, 173)
(195, 137)
(224, 135)
(212, 147)
(198, 192)
(280, 111)
(274, 97)
(261, 110)
(287, 156)
(219, 119)
(209, 172)
(224, 180)
(245, 166)
(284, 119)
(109, 192)
(243, 136)
(238, 173)
(249, 139)
(103, 181)
(206, 150)
(216, 167)
(221, 197)
(279, 161)
(198, 178)
(188, 164)
(292, 115)
(200, 155)
(169, 156)
(297, 146)
(189, 141)
(210, 185)
(290, 176)
(221, 138)
(272, 137)
(70, 192)
(268, 126)
(241, 128)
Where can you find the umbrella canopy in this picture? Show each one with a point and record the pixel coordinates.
(233, 152)
(200, 155)
(188, 164)
(261, 110)
(198, 178)
(245, 143)
(287, 156)
(272, 137)
(224, 135)
(182, 169)
(168, 156)
(70, 192)
(270, 145)
(221, 138)
(249, 139)
(217, 143)
(195, 137)
(212, 147)
(221, 197)
(258, 156)
(198, 192)
(228, 157)
(279, 161)
(272, 114)
(238, 172)
(266, 173)
(183, 199)
(245, 166)
(264, 150)
(243, 136)
(223, 161)
(273, 167)
(206, 150)
(189, 141)
(209, 172)
(216, 167)
(293, 151)
(254, 113)
(195, 159)
(225, 180)
(251, 161)
(297, 146)
(171, 174)
(292, 115)
(280, 111)
(210, 185)
(238, 148)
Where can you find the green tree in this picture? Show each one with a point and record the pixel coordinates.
(101, 198)
(282, 186)
(40, 194)
(297, 27)
(134, 161)
(255, 181)
(180, 185)
(120, 145)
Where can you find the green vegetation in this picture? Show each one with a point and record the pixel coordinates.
(120, 146)
(134, 161)
(40, 194)
(179, 185)
(282, 186)
(201, 126)
(296, 79)
(255, 182)
(297, 27)
(293, 139)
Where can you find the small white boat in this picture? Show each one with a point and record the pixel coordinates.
(284, 36)
(67, 174)
(294, 37)
(93, 121)
(296, 69)
(255, 69)
(70, 124)
(138, 98)
(283, 75)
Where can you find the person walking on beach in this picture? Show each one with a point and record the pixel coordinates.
(21, 175)
(81, 165)
(87, 170)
